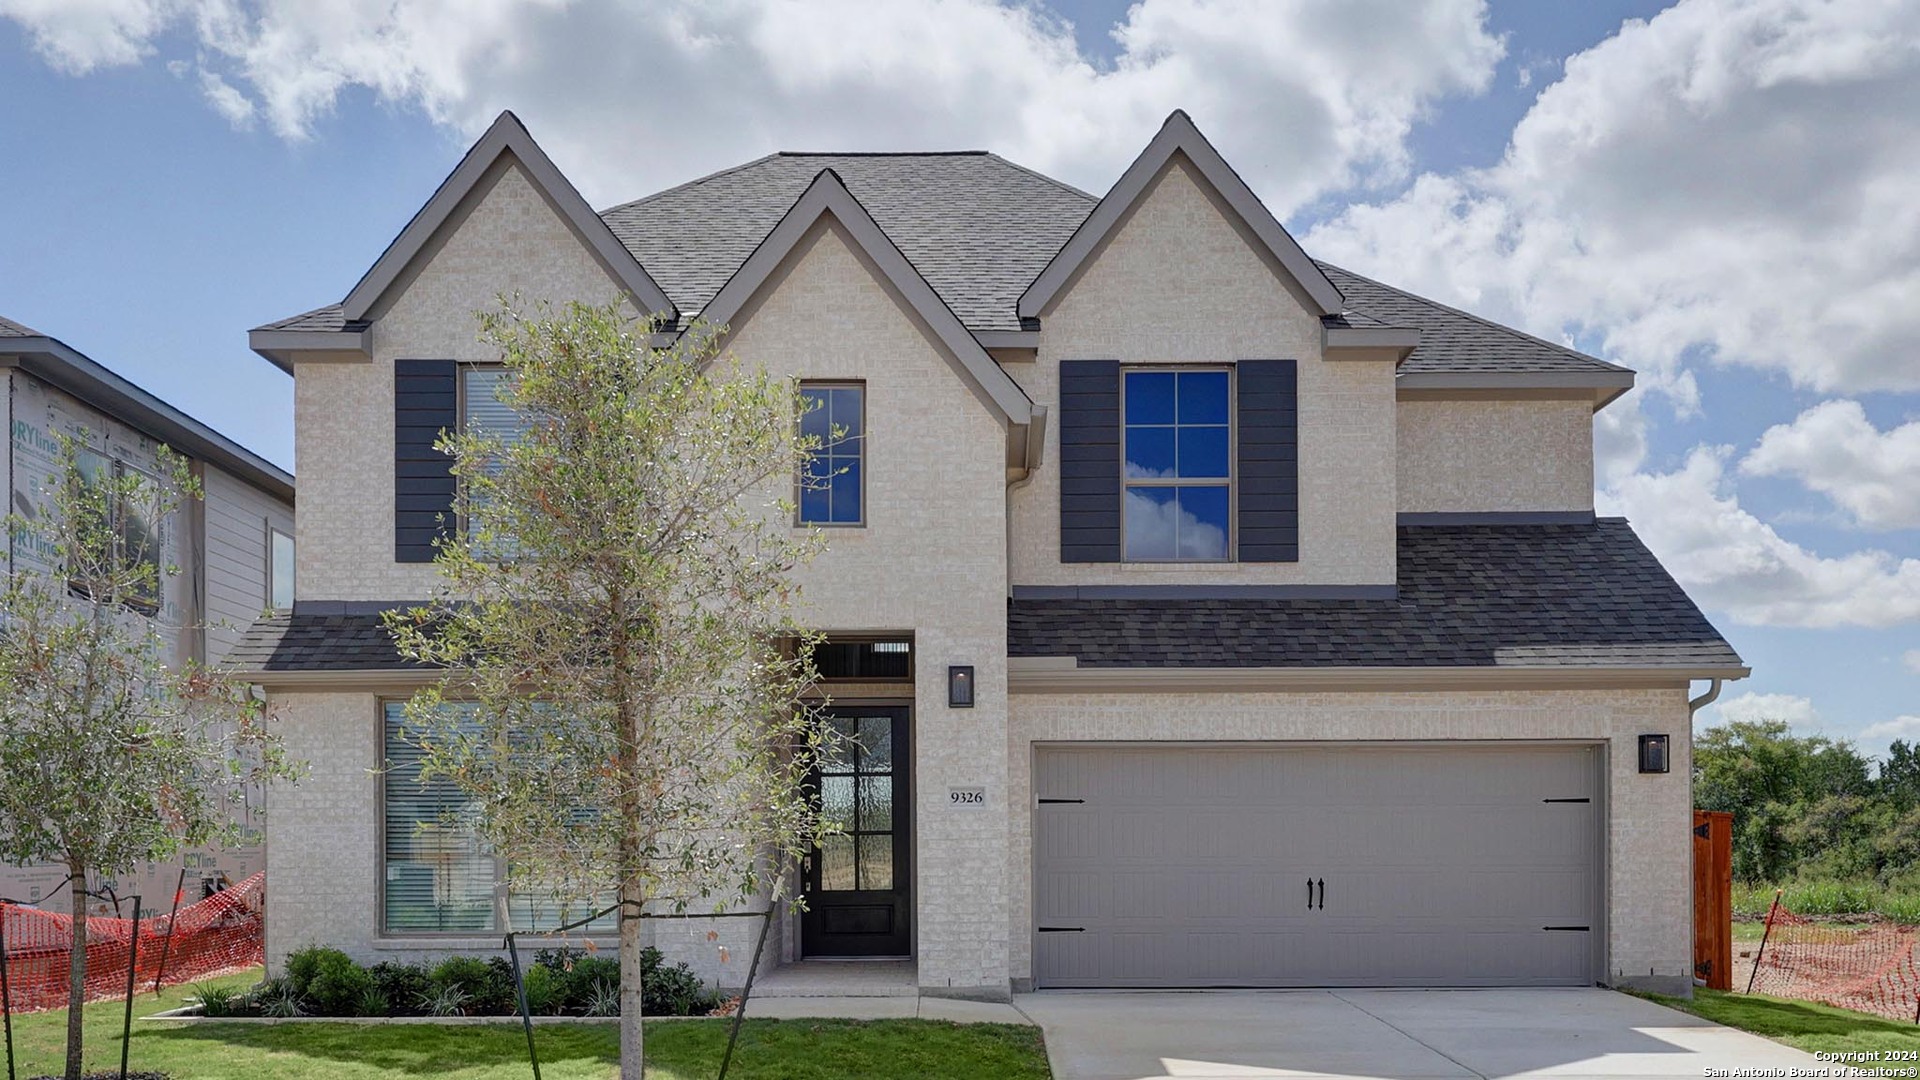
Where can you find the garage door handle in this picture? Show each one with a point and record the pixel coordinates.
(1309, 892)
(1323, 894)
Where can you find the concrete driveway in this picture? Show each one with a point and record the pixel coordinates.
(1384, 1033)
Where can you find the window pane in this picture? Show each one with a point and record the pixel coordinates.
(846, 491)
(817, 419)
(1203, 397)
(439, 876)
(1150, 516)
(836, 801)
(876, 862)
(485, 412)
(816, 502)
(876, 804)
(1203, 451)
(876, 744)
(836, 863)
(140, 536)
(1150, 397)
(1150, 453)
(1203, 523)
(280, 558)
(847, 411)
(536, 910)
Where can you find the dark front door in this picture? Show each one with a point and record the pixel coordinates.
(856, 883)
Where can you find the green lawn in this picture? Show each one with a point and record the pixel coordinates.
(681, 1050)
(1801, 1024)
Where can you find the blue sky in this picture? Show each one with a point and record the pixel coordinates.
(1656, 199)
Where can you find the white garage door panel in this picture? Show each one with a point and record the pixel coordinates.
(1443, 866)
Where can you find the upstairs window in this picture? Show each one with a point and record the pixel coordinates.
(1177, 471)
(483, 411)
(832, 488)
(132, 525)
(279, 569)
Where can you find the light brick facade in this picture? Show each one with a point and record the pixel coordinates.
(946, 539)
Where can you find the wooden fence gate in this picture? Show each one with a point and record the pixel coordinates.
(1713, 898)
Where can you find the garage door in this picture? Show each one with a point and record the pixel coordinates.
(1319, 865)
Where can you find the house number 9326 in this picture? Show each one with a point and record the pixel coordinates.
(966, 796)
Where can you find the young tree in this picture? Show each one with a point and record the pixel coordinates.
(622, 704)
(109, 755)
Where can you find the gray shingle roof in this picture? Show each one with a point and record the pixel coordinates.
(978, 227)
(9, 328)
(299, 641)
(1450, 339)
(1469, 596)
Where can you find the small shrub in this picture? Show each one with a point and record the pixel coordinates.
(542, 987)
(373, 1002)
(672, 991)
(403, 985)
(603, 999)
(444, 1001)
(277, 998)
(577, 983)
(339, 989)
(304, 965)
(217, 1000)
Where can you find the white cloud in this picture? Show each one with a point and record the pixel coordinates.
(1835, 450)
(1794, 709)
(1874, 738)
(1732, 174)
(228, 102)
(77, 36)
(1733, 562)
(1306, 96)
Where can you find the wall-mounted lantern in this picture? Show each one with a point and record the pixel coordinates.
(1653, 754)
(960, 687)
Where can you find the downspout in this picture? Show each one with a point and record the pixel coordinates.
(1696, 704)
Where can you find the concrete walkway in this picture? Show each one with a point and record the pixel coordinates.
(1384, 1033)
(881, 1007)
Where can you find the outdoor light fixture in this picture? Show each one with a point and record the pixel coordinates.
(1653, 753)
(960, 687)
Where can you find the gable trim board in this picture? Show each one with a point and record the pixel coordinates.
(507, 138)
(1177, 135)
(827, 196)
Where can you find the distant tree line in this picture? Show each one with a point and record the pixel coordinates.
(1810, 807)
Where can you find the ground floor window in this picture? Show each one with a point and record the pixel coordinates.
(438, 875)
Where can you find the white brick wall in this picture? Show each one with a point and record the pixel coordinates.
(930, 561)
(1649, 883)
(510, 243)
(1459, 456)
(1180, 283)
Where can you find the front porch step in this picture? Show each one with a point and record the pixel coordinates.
(840, 979)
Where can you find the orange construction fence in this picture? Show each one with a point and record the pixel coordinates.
(224, 932)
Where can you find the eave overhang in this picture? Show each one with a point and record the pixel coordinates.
(1063, 675)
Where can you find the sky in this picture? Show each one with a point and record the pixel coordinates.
(1723, 195)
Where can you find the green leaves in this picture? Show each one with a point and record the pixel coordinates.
(619, 613)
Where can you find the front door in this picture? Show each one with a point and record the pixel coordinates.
(856, 882)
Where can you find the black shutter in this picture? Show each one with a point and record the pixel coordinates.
(1268, 465)
(425, 402)
(1089, 461)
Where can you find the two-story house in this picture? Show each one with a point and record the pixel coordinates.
(232, 547)
(1209, 615)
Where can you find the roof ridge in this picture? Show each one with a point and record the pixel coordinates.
(1481, 319)
(1038, 175)
(9, 328)
(695, 182)
(881, 153)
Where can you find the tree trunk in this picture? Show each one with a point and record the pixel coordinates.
(632, 1047)
(77, 971)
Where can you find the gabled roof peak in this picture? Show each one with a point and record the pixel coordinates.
(1179, 135)
(506, 137)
